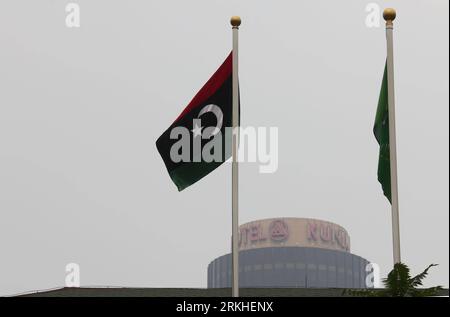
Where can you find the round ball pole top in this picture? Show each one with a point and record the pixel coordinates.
(389, 14)
(235, 21)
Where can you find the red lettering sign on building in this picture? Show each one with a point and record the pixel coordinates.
(278, 230)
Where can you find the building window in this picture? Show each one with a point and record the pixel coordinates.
(268, 266)
(312, 266)
(300, 266)
(290, 265)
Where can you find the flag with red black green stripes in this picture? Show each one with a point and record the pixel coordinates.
(199, 140)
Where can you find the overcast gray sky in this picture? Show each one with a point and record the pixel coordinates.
(80, 111)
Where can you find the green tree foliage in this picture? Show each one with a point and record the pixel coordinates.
(399, 283)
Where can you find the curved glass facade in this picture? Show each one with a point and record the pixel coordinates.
(290, 267)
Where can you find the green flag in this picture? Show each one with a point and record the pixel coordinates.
(381, 131)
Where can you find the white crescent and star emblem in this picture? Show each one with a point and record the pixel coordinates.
(197, 129)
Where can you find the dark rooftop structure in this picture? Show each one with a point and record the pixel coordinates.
(193, 292)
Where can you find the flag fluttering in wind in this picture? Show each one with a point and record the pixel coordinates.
(197, 142)
(381, 131)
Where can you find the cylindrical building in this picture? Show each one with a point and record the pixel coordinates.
(291, 252)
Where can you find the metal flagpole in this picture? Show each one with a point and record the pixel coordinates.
(389, 15)
(235, 22)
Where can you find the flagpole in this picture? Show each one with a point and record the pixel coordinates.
(389, 15)
(235, 22)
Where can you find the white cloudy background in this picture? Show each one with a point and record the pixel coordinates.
(80, 111)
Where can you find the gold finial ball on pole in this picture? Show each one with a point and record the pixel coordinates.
(235, 21)
(389, 14)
